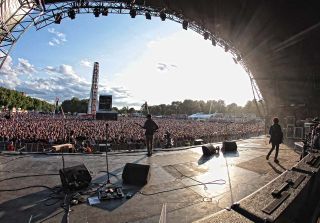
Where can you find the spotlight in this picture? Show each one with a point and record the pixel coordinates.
(148, 16)
(214, 43)
(96, 11)
(72, 14)
(206, 35)
(163, 16)
(105, 11)
(133, 13)
(58, 18)
(185, 24)
(226, 48)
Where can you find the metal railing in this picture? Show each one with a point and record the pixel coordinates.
(45, 147)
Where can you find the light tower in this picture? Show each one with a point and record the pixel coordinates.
(92, 106)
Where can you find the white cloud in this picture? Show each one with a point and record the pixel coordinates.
(180, 66)
(120, 96)
(67, 71)
(9, 77)
(62, 80)
(58, 39)
(86, 63)
(163, 67)
(25, 67)
(184, 66)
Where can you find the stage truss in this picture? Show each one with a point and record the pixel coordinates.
(36, 13)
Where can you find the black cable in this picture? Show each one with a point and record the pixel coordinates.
(180, 188)
(23, 188)
(11, 160)
(33, 175)
(204, 184)
(103, 171)
(66, 207)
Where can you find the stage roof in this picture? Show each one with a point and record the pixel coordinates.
(278, 41)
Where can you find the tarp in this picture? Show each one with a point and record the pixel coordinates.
(8, 8)
(10, 13)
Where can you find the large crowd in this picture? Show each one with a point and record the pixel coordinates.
(52, 130)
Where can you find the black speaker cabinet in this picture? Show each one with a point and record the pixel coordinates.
(102, 115)
(136, 174)
(75, 177)
(229, 146)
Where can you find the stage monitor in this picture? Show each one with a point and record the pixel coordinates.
(105, 102)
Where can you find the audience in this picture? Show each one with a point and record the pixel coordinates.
(49, 129)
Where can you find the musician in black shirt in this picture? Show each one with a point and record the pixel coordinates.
(151, 127)
(276, 138)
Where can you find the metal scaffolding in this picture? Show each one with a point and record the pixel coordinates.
(14, 21)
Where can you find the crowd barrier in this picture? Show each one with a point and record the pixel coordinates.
(44, 147)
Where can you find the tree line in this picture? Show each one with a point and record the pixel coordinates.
(190, 107)
(187, 107)
(12, 98)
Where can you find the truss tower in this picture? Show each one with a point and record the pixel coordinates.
(92, 106)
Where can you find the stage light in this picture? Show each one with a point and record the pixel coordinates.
(163, 16)
(206, 35)
(133, 13)
(58, 18)
(185, 24)
(96, 11)
(72, 14)
(105, 11)
(214, 43)
(148, 15)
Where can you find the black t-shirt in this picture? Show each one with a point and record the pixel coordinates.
(276, 134)
(150, 126)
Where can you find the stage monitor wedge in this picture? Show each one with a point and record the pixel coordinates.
(75, 178)
(136, 174)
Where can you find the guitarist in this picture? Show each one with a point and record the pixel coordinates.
(151, 127)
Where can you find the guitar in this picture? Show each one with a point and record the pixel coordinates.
(154, 131)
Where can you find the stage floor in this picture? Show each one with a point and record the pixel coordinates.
(169, 190)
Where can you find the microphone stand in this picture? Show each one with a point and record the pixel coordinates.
(64, 132)
(108, 174)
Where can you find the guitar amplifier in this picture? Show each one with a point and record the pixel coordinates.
(75, 177)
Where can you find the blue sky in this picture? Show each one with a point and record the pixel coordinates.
(140, 60)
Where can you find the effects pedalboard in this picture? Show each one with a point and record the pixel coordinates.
(110, 193)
